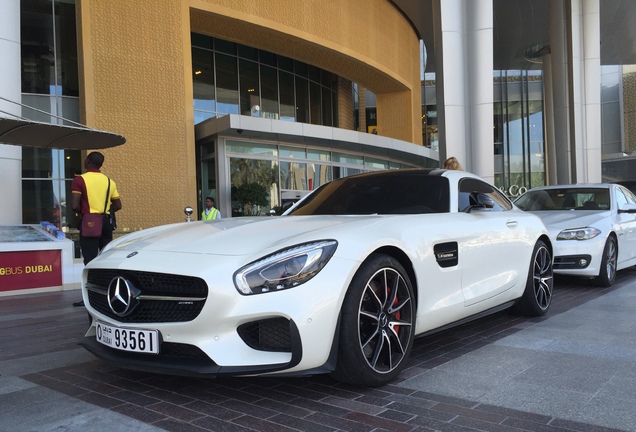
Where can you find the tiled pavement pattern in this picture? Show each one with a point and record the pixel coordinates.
(572, 370)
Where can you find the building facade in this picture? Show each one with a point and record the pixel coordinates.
(258, 102)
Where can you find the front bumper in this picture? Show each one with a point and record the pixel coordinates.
(569, 253)
(215, 338)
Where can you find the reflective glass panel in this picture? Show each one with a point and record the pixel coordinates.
(227, 95)
(250, 90)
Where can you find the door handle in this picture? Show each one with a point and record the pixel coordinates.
(512, 224)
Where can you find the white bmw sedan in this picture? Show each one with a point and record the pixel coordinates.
(592, 227)
(342, 283)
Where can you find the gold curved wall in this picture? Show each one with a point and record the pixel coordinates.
(136, 78)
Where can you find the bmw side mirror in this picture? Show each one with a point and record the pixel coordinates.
(627, 208)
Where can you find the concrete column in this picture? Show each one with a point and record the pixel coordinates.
(10, 88)
(463, 36)
(559, 79)
(480, 87)
(549, 126)
(592, 91)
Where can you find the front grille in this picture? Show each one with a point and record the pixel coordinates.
(271, 335)
(160, 310)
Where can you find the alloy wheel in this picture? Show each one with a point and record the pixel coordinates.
(385, 318)
(543, 277)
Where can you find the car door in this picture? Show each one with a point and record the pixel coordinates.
(494, 244)
(625, 225)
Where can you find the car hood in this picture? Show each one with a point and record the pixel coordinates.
(566, 219)
(235, 236)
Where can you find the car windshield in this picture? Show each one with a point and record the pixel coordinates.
(565, 199)
(395, 192)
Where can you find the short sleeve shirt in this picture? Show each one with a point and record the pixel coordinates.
(92, 186)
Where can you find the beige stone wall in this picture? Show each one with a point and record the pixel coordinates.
(136, 78)
(135, 55)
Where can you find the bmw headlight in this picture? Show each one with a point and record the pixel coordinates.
(284, 269)
(578, 234)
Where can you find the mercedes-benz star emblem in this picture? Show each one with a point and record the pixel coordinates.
(122, 296)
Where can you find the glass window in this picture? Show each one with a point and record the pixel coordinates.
(251, 148)
(322, 155)
(302, 100)
(203, 80)
(227, 84)
(250, 90)
(470, 188)
(269, 92)
(348, 158)
(286, 64)
(37, 46)
(293, 152)
(300, 68)
(66, 49)
(268, 58)
(318, 175)
(340, 172)
(313, 73)
(37, 163)
(41, 202)
(293, 175)
(224, 46)
(202, 41)
(327, 113)
(254, 186)
(248, 52)
(287, 105)
(314, 103)
(376, 163)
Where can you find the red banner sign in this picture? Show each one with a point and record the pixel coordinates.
(30, 269)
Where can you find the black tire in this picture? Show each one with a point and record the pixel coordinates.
(607, 275)
(537, 296)
(377, 323)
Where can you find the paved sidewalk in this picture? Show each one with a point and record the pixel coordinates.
(572, 370)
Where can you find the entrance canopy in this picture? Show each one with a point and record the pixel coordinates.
(45, 135)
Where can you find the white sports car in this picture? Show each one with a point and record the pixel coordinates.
(592, 227)
(341, 283)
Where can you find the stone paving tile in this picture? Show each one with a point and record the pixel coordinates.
(47, 323)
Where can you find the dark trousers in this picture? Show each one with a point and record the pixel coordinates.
(92, 245)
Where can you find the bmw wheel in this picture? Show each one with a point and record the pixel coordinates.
(377, 323)
(537, 296)
(607, 274)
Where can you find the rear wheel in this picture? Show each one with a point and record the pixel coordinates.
(607, 274)
(537, 296)
(377, 323)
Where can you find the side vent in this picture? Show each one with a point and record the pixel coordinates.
(446, 254)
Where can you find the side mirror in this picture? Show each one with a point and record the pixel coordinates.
(627, 208)
(480, 201)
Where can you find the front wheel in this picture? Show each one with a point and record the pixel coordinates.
(377, 323)
(607, 274)
(537, 296)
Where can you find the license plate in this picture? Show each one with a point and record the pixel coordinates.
(128, 339)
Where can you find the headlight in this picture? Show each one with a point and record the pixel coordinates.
(578, 234)
(284, 269)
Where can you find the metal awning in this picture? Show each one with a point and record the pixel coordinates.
(46, 135)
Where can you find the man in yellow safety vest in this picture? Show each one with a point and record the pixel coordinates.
(210, 212)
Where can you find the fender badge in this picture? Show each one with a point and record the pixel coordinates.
(132, 254)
